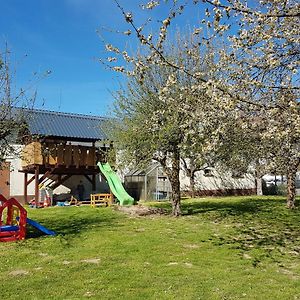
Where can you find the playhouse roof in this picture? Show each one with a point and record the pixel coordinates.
(63, 125)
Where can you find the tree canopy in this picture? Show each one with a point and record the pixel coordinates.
(252, 76)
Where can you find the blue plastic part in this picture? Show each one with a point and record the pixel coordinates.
(9, 228)
(40, 227)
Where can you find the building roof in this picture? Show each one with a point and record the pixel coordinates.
(63, 125)
(142, 172)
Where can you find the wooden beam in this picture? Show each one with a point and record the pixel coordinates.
(62, 170)
(25, 187)
(44, 176)
(45, 182)
(60, 181)
(56, 183)
(66, 178)
(36, 192)
(88, 178)
(30, 180)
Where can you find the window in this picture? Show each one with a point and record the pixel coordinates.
(237, 174)
(208, 173)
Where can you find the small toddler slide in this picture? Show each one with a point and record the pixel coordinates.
(40, 227)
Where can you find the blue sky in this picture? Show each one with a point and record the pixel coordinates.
(60, 36)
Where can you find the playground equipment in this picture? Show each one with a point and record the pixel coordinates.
(74, 201)
(13, 223)
(105, 199)
(115, 184)
(45, 198)
(40, 227)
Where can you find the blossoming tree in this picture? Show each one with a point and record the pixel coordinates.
(258, 61)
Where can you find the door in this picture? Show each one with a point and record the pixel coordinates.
(5, 180)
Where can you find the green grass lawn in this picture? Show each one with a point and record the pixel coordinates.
(225, 248)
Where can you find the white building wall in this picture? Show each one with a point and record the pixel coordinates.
(16, 177)
(219, 180)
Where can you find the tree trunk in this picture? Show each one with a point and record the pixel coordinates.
(176, 205)
(192, 185)
(291, 187)
(173, 174)
(259, 190)
(258, 181)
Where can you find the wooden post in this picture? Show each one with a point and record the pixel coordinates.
(111, 196)
(94, 154)
(25, 187)
(36, 193)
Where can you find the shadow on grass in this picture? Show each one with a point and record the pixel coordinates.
(227, 207)
(67, 222)
(254, 224)
(262, 208)
(249, 223)
(263, 241)
(223, 208)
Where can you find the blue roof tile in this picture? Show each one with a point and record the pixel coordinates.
(65, 125)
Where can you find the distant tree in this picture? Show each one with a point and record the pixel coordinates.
(12, 122)
(193, 162)
(265, 67)
(240, 148)
(160, 117)
(201, 149)
(148, 129)
(8, 124)
(284, 135)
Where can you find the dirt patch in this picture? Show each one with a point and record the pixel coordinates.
(140, 210)
(173, 263)
(189, 265)
(43, 254)
(191, 246)
(88, 294)
(247, 256)
(19, 272)
(289, 273)
(91, 260)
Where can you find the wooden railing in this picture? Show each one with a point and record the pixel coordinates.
(98, 199)
(58, 155)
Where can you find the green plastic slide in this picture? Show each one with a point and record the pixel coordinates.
(115, 184)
